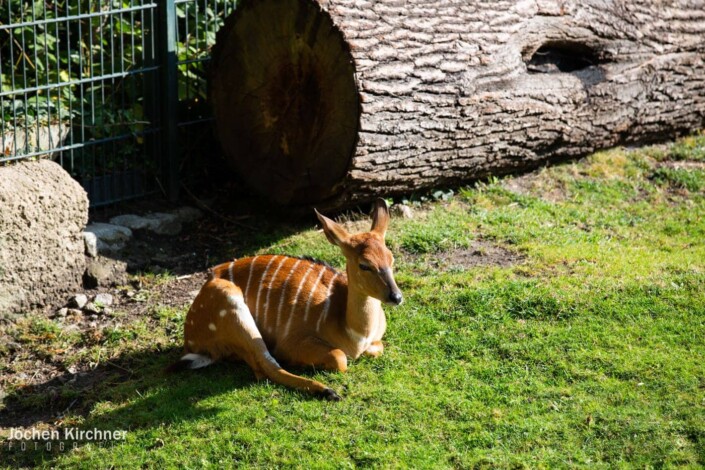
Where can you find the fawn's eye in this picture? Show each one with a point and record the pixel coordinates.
(364, 267)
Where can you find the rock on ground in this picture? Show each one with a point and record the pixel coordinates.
(91, 243)
(42, 218)
(111, 238)
(160, 223)
(103, 299)
(104, 271)
(78, 301)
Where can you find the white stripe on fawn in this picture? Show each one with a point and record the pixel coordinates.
(326, 304)
(249, 276)
(313, 291)
(283, 293)
(261, 284)
(362, 341)
(230, 271)
(296, 298)
(244, 316)
(269, 289)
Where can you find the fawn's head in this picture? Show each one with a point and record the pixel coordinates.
(369, 261)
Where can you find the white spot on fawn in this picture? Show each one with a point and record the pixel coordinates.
(211, 326)
(223, 312)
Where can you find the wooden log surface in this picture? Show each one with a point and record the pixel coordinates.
(394, 97)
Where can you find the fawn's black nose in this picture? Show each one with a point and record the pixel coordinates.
(396, 298)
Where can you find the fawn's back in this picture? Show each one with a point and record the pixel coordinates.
(288, 297)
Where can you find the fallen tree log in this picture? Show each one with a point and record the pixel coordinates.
(336, 102)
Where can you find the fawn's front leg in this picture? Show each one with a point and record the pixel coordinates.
(311, 351)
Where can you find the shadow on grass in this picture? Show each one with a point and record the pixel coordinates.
(152, 396)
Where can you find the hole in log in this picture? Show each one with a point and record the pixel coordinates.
(285, 99)
(562, 56)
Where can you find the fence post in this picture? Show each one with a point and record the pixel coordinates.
(169, 98)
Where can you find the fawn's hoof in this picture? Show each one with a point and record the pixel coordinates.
(330, 395)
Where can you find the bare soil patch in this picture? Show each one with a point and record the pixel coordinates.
(480, 253)
(683, 164)
(534, 184)
(43, 383)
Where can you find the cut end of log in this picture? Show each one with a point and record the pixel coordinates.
(285, 100)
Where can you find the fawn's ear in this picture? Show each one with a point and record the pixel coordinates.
(335, 233)
(380, 217)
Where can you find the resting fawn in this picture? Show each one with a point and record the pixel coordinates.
(271, 308)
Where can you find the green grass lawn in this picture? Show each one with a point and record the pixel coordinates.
(588, 349)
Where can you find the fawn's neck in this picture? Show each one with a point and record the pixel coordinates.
(362, 311)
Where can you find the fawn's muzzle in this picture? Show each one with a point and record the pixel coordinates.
(394, 296)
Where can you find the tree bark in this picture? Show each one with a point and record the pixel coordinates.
(336, 102)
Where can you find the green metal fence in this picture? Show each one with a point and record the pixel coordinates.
(111, 89)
